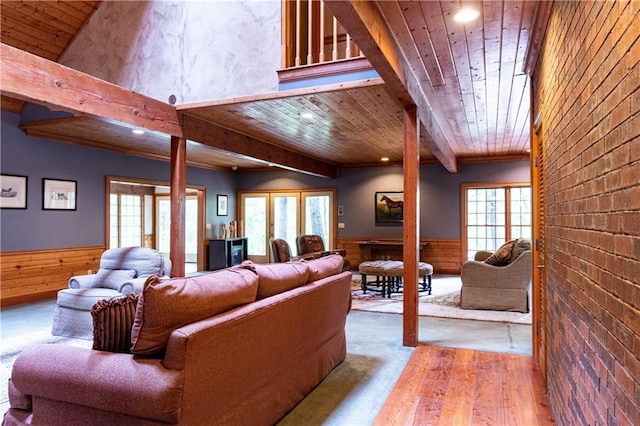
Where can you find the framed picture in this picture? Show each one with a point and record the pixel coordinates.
(389, 207)
(58, 194)
(13, 192)
(222, 205)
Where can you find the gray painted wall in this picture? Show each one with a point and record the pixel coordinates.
(439, 194)
(34, 228)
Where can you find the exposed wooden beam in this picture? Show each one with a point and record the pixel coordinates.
(178, 205)
(366, 25)
(34, 79)
(207, 133)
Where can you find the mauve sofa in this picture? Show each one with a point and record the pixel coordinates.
(276, 332)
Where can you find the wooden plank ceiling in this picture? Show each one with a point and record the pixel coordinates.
(471, 75)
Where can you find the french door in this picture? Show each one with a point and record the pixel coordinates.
(285, 214)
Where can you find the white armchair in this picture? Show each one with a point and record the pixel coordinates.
(122, 271)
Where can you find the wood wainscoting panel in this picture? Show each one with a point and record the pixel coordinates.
(442, 254)
(32, 275)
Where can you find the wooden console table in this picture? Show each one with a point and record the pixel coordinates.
(384, 250)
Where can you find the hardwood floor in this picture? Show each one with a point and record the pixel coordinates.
(451, 386)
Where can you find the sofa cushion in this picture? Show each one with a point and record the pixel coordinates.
(112, 323)
(275, 278)
(168, 304)
(112, 278)
(502, 255)
(325, 266)
(521, 246)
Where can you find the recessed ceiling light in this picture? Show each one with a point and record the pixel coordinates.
(306, 115)
(466, 14)
(384, 159)
(137, 132)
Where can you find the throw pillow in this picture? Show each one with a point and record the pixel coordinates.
(502, 255)
(112, 322)
(326, 266)
(519, 248)
(276, 278)
(169, 304)
(112, 278)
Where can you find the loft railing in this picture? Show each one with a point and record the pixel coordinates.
(312, 35)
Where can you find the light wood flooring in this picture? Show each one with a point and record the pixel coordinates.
(450, 386)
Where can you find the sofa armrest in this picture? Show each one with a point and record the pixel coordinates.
(107, 381)
(482, 255)
(81, 281)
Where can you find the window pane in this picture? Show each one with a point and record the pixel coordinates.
(256, 225)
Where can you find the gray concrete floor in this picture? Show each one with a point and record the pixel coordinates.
(355, 391)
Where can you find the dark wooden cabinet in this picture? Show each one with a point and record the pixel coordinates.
(226, 252)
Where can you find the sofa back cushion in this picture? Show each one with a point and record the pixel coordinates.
(165, 305)
(325, 266)
(275, 278)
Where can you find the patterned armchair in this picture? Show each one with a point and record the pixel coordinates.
(123, 271)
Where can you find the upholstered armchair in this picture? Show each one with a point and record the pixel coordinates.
(280, 250)
(123, 271)
(312, 246)
(501, 287)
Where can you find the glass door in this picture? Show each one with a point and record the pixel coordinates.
(163, 227)
(286, 214)
(254, 217)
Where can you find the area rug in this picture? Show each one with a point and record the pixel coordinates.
(443, 302)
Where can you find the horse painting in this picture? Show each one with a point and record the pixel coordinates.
(388, 209)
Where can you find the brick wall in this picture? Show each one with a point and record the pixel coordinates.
(587, 85)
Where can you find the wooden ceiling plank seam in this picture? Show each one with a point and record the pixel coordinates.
(30, 42)
(492, 13)
(59, 11)
(510, 33)
(34, 79)
(439, 38)
(364, 23)
(429, 93)
(66, 10)
(526, 25)
(12, 29)
(16, 19)
(463, 84)
(414, 15)
(35, 10)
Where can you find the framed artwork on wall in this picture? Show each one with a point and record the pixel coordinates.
(13, 192)
(389, 207)
(58, 194)
(222, 205)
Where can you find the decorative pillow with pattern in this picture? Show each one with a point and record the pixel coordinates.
(502, 255)
(112, 322)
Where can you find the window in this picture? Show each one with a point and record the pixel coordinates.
(125, 220)
(493, 215)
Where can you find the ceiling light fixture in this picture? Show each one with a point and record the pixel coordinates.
(306, 115)
(466, 14)
(384, 159)
(137, 132)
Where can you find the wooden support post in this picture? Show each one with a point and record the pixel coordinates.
(411, 226)
(178, 204)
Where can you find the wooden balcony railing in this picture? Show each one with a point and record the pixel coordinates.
(312, 35)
